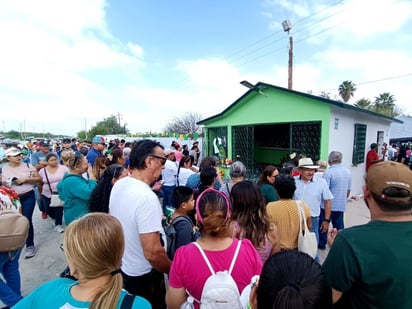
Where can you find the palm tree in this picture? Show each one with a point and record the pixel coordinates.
(385, 104)
(346, 90)
(363, 103)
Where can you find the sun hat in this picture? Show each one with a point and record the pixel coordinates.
(169, 151)
(390, 174)
(12, 151)
(307, 163)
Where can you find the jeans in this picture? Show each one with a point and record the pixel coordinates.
(336, 217)
(37, 194)
(167, 192)
(54, 212)
(28, 202)
(10, 292)
(315, 229)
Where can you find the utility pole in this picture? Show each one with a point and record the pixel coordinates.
(287, 26)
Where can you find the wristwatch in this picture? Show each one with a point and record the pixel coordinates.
(327, 220)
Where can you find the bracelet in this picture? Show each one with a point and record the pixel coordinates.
(327, 220)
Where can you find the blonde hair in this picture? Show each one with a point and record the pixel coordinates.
(95, 245)
(65, 155)
(73, 159)
(322, 164)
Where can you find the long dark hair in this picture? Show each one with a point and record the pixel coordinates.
(249, 210)
(99, 199)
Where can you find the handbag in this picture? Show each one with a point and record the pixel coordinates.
(307, 241)
(55, 200)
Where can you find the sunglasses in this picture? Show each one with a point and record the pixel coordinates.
(163, 159)
(77, 156)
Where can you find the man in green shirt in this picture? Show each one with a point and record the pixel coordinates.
(369, 266)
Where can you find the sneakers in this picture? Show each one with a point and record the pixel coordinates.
(30, 252)
(58, 229)
(44, 215)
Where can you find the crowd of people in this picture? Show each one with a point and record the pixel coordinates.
(115, 211)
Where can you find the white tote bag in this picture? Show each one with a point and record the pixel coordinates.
(307, 242)
(55, 201)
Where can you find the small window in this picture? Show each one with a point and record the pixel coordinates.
(359, 142)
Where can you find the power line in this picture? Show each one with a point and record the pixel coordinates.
(187, 82)
(369, 82)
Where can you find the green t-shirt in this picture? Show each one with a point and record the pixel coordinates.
(269, 193)
(372, 265)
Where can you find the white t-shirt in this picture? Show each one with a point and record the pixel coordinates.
(169, 173)
(139, 211)
(184, 174)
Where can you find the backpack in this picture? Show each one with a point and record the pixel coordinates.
(170, 232)
(220, 290)
(14, 229)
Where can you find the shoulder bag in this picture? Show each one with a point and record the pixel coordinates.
(55, 200)
(307, 241)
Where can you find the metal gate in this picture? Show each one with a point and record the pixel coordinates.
(243, 150)
(306, 139)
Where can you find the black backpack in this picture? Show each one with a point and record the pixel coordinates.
(170, 232)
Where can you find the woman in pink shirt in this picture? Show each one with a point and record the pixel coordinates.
(189, 271)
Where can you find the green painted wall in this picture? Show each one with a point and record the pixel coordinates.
(276, 107)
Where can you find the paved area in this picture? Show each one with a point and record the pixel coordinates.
(50, 260)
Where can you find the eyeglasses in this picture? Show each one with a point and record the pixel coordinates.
(77, 156)
(159, 157)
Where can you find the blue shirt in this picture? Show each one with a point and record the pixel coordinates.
(193, 182)
(339, 181)
(92, 154)
(39, 156)
(56, 294)
(312, 193)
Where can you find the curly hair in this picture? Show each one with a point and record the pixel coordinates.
(249, 211)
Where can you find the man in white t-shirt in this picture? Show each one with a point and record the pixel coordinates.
(138, 209)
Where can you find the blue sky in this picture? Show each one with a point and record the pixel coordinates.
(67, 64)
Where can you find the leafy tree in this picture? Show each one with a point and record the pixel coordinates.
(186, 124)
(384, 104)
(363, 103)
(107, 126)
(346, 90)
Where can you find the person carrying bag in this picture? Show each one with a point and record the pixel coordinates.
(307, 241)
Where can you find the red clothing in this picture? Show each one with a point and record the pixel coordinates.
(189, 269)
(371, 156)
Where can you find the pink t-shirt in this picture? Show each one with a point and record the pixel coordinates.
(189, 269)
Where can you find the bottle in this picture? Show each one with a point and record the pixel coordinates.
(188, 304)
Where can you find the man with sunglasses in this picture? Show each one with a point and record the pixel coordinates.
(98, 146)
(369, 265)
(138, 209)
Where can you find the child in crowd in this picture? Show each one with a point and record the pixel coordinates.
(183, 198)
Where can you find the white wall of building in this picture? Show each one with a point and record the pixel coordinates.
(341, 138)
